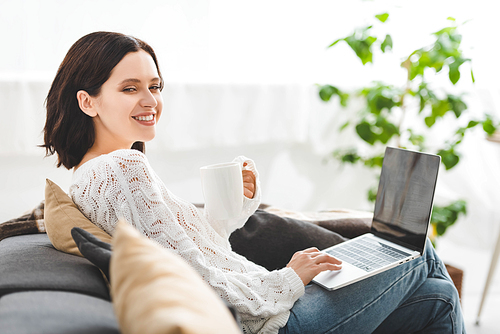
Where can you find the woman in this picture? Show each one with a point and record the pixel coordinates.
(104, 104)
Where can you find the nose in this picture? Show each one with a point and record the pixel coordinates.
(149, 100)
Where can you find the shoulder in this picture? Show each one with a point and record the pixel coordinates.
(132, 163)
(118, 157)
(120, 162)
(129, 155)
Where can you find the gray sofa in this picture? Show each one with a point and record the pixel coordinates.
(43, 290)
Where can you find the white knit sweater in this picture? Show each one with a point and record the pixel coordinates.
(123, 184)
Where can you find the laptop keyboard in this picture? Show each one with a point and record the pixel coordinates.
(367, 255)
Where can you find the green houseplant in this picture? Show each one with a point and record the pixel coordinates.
(387, 108)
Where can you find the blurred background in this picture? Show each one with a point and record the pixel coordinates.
(241, 79)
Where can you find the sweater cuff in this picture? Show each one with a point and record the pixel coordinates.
(296, 284)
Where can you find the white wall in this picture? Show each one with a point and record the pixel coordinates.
(254, 63)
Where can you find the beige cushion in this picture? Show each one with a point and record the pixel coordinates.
(155, 291)
(61, 215)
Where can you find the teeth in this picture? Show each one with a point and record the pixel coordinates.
(144, 118)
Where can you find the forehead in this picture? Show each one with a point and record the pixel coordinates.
(138, 65)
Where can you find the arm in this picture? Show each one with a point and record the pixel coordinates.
(133, 191)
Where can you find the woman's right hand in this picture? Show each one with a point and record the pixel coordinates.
(310, 262)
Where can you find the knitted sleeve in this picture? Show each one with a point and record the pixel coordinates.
(122, 184)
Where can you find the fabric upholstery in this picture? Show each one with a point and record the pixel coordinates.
(61, 215)
(346, 222)
(56, 312)
(271, 240)
(347, 227)
(155, 291)
(93, 249)
(30, 262)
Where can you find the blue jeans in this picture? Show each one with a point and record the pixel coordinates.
(416, 297)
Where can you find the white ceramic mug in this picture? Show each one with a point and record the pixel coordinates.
(222, 186)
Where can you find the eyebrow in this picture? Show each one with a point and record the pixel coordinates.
(134, 80)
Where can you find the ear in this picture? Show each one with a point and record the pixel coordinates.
(86, 103)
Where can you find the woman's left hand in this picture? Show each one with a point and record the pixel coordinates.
(248, 182)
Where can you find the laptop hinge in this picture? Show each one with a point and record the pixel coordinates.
(398, 242)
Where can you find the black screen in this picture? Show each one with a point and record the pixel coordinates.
(405, 196)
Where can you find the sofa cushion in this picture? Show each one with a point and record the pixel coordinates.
(93, 249)
(271, 240)
(55, 312)
(61, 215)
(156, 292)
(30, 262)
(346, 222)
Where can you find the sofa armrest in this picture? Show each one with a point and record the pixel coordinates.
(346, 222)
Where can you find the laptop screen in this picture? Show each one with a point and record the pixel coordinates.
(405, 196)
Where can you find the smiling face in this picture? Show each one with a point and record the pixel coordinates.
(128, 105)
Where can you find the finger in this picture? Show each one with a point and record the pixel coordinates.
(248, 175)
(310, 250)
(248, 193)
(249, 184)
(329, 266)
(327, 258)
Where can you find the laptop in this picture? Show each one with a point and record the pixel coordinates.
(400, 220)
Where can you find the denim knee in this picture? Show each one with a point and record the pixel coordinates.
(449, 289)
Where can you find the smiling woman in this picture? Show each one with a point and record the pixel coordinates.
(112, 78)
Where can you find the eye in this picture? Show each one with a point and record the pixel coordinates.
(129, 89)
(155, 88)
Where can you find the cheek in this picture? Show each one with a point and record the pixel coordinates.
(115, 107)
(159, 108)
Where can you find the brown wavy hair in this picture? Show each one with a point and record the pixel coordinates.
(68, 131)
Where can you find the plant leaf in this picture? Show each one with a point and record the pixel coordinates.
(338, 40)
(326, 92)
(344, 97)
(350, 158)
(472, 124)
(457, 105)
(382, 17)
(345, 125)
(387, 43)
(429, 121)
(445, 216)
(488, 126)
(454, 73)
(375, 161)
(362, 45)
(372, 194)
(440, 108)
(363, 130)
(449, 158)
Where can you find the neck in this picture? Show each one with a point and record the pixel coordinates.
(96, 151)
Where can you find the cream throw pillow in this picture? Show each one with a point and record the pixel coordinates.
(61, 215)
(155, 291)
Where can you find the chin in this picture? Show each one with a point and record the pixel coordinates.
(147, 138)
